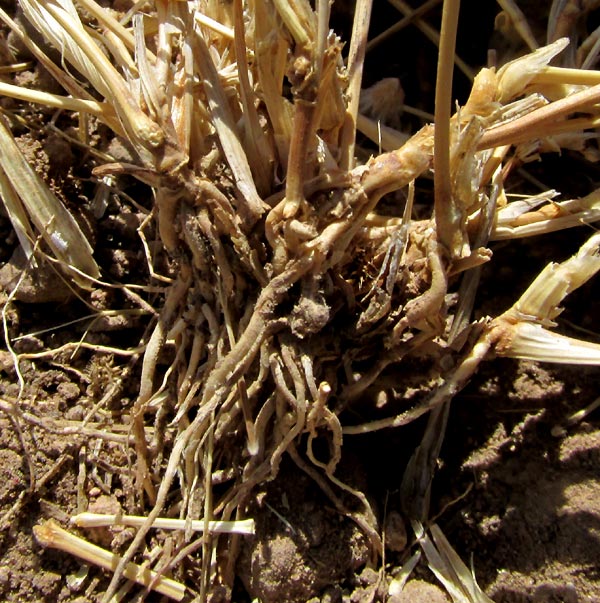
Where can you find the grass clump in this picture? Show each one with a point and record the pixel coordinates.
(292, 277)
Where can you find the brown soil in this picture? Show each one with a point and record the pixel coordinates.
(523, 503)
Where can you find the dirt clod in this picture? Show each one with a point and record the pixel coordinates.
(419, 591)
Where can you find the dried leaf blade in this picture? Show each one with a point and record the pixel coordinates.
(51, 218)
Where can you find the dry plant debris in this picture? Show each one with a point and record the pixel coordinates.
(285, 279)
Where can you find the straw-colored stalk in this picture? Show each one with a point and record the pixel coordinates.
(50, 534)
(95, 520)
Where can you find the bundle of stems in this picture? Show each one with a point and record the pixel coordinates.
(292, 292)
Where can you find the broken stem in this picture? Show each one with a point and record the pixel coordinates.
(521, 128)
(50, 534)
(96, 520)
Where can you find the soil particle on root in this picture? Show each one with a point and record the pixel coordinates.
(419, 591)
(302, 545)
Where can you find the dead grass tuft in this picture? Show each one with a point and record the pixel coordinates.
(291, 291)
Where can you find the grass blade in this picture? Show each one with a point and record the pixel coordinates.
(57, 226)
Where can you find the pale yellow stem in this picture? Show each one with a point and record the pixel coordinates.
(566, 76)
(521, 128)
(50, 534)
(95, 520)
(223, 30)
(446, 217)
(101, 110)
(356, 58)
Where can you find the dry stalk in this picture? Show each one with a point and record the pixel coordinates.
(50, 534)
(424, 8)
(356, 57)
(429, 32)
(447, 215)
(534, 124)
(95, 520)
